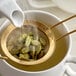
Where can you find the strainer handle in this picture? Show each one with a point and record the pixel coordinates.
(66, 35)
(3, 57)
(57, 24)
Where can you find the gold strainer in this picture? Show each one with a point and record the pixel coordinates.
(51, 42)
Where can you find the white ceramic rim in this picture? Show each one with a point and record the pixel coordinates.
(68, 52)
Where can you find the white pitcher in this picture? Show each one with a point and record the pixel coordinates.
(10, 10)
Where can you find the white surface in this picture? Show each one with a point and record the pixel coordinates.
(67, 5)
(5, 70)
(41, 3)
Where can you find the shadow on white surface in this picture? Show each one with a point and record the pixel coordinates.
(0, 74)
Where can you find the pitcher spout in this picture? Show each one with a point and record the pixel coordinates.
(12, 11)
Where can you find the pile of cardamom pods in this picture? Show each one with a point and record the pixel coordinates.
(28, 48)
